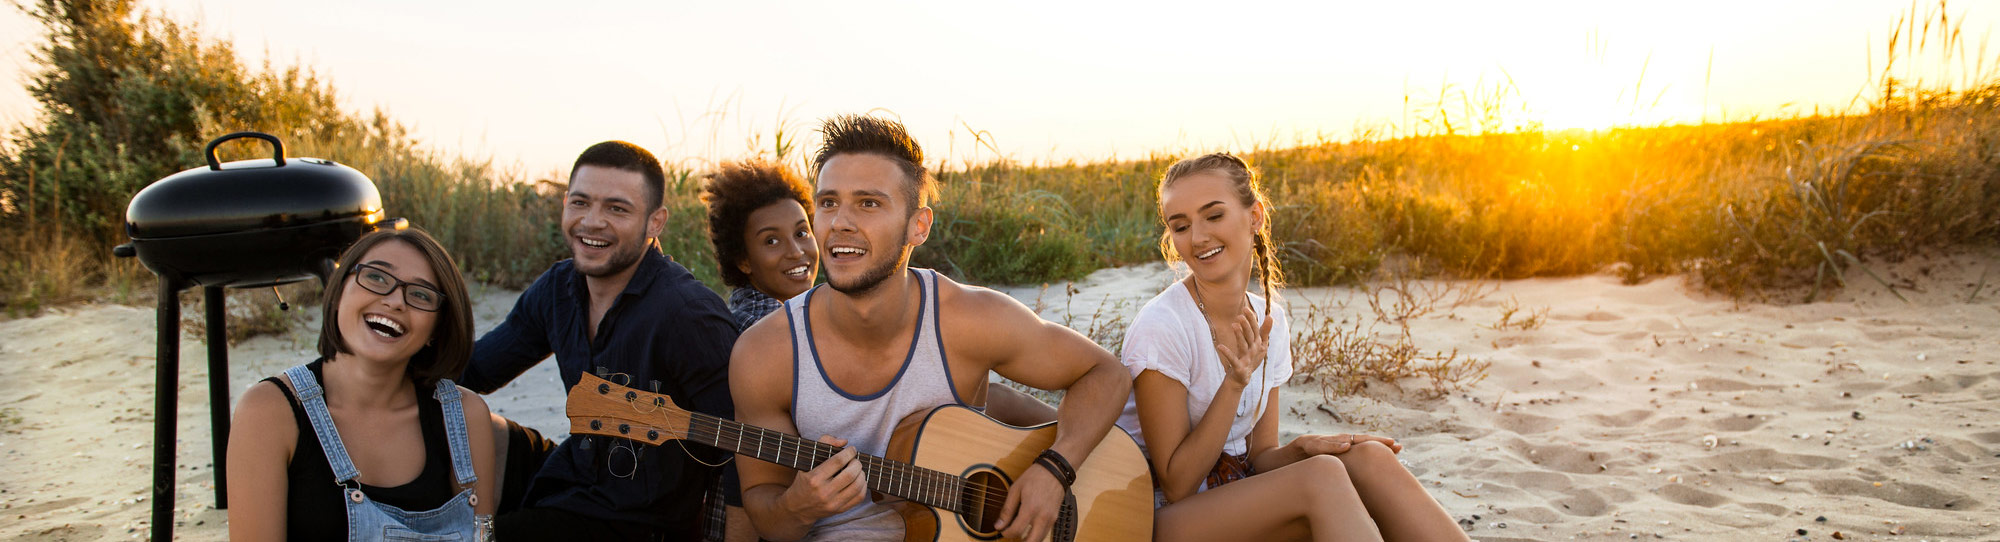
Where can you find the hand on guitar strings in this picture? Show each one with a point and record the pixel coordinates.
(1032, 505)
(830, 488)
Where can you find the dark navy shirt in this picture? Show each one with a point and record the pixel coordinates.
(666, 327)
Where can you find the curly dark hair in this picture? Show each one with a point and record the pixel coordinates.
(732, 193)
(847, 134)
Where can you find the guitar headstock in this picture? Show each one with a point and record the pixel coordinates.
(598, 407)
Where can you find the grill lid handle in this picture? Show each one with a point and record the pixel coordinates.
(277, 148)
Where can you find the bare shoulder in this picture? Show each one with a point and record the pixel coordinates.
(987, 307)
(264, 407)
(475, 406)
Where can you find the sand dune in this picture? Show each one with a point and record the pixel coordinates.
(1650, 411)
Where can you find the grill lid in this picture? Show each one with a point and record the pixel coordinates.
(251, 194)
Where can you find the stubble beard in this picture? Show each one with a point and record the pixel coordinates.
(874, 276)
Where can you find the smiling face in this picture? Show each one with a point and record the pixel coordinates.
(605, 220)
(383, 328)
(781, 256)
(1209, 226)
(865, 222)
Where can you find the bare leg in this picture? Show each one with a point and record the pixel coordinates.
(1395, 498)
(1011, 406)
(1308, 500)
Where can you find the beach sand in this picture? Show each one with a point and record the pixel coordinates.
(1650, 411)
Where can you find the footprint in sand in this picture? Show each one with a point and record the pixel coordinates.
(1526, 424)
(1765, 507)
(1904, 493)
(1687, 494)
(1627, 418)
(1564, 457)
(1724, 384)
(1941, 384)
(1582, 502)
(1734, 423)
(1764, 459)
(1593, 316)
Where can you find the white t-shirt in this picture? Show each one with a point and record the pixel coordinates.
(1170, 336)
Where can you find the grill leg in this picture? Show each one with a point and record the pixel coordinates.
(165, 396)
(217, 317)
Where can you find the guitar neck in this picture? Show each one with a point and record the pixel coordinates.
(917, 484)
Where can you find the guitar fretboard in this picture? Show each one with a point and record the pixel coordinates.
(917, 484)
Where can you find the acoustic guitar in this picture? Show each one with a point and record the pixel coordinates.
(954, 461)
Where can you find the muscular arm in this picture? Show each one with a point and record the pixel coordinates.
(760, 384)
(1009, 339)
(257, 463)
(995, 332)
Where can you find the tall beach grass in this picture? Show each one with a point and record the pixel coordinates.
(1775, 209)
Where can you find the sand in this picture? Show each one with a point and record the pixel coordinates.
(1650, 411)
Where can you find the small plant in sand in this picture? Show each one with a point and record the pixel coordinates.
(9, 418)
(1398, 297)
(1512, 316)
(1344, 354)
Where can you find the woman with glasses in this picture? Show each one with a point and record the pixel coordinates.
(371, 441)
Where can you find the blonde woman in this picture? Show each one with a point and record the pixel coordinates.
(1208, 358)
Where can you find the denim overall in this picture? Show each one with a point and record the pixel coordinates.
(369, 520)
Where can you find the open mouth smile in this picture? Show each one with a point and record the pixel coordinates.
(383, 326)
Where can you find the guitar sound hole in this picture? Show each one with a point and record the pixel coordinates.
(988, 495)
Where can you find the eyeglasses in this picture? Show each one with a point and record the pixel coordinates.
(379, 281)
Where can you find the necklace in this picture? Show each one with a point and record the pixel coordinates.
(1263, 376)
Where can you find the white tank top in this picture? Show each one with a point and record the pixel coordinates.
(867, 417)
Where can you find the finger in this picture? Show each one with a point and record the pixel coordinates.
(1007, 512)
(1265, 330)
(1039, 530)
(857, 488)
(830, 439)
(827, 469)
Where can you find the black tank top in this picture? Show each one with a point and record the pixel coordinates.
(314, 509)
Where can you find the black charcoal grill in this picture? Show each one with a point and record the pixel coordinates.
(244, 224)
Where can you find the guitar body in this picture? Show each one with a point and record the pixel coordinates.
(1113, 489)
(955, 461)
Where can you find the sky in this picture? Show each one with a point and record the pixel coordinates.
(531, 83)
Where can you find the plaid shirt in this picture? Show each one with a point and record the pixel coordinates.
(749, 305)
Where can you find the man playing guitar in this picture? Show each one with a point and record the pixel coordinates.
(848, 362)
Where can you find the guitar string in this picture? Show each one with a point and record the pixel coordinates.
(968, 490)
(930, 482)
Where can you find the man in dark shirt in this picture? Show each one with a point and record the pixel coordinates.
(621, 308)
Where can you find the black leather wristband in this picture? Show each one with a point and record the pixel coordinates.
(1057, 465)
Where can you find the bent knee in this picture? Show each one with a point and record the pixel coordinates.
(1323, 468)
(1369, 450)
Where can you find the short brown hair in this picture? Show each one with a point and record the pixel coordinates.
(857, 134)
(450, 346)
(628, 157)
(733, 192)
